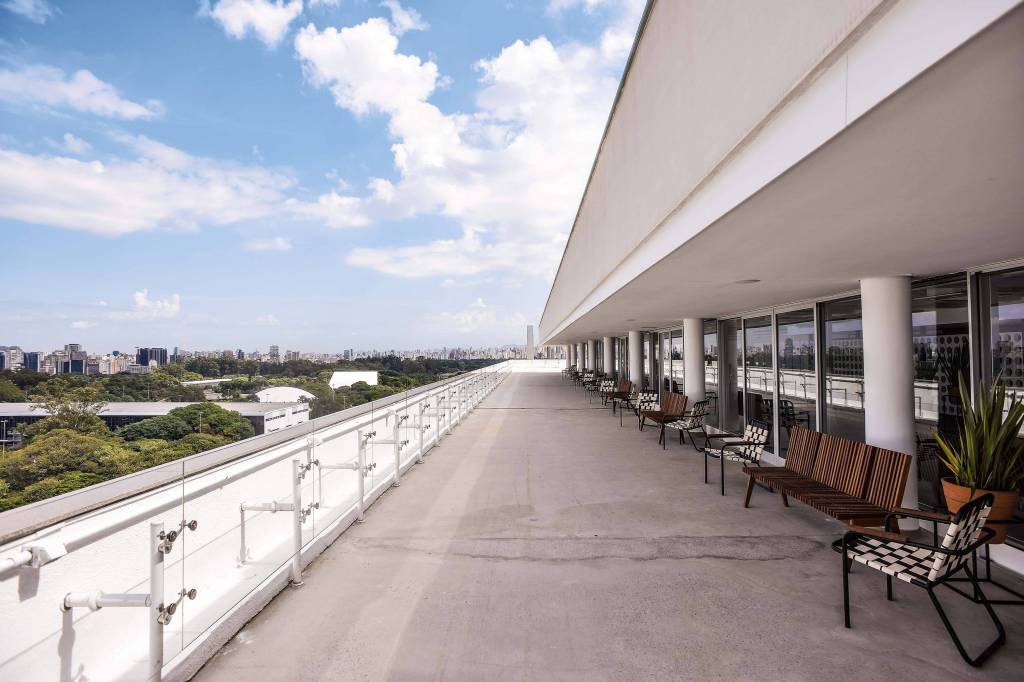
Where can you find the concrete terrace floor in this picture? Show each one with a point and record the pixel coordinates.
(542, 541)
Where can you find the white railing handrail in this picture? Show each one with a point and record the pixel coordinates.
(19, 523)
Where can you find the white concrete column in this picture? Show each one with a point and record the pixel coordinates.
(591, 354)
(693, 359)
(889, 370)
(568, 356)
(573, 360)
(636, 358)
(608, 348)
(581, 352)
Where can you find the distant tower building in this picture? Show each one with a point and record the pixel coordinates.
(240, 354)
(530, 350)
(33, 361)
(145, 356)
(275, 354)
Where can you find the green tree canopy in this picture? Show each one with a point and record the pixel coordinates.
(10, 393)
(164, 427)
(212, 418)
(64, 451)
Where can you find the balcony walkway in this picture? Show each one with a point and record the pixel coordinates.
(541, 541)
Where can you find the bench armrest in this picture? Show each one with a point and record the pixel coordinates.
(941, 517)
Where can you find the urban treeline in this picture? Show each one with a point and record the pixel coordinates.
(73, 448)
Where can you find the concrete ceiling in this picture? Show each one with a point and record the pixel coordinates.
(930, 181)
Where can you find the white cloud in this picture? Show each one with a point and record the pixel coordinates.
(465, 256)
(160, 187)
(37, 11)
(267, 321)
(404, 19)
(49, 87)
(511, 172)
(268, 20)
(83, 324)
(476, 317)
(146, 308)
(70, 144)
(271, 244)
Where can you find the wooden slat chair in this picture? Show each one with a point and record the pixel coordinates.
(747, 448)
(923, 565)
(694, 420)
(593, 385)
(621, 392)
(672, 409)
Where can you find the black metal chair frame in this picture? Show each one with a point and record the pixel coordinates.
(985, 535)
(738, 445)
(700, 410)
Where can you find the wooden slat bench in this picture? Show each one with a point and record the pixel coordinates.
(850, 481)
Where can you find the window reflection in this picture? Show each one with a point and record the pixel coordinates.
(758, 371)
(1003, 315)
(711, 369)
(730, 379)
(844, 368)
(678, 376)
(941, 353)
(798, 385)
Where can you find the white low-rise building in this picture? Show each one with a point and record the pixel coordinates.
(339, 379)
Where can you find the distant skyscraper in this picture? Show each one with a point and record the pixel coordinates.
(275, 354)
(33, 361)
(240, 354)
(146, 355)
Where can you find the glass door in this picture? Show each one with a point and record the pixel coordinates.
(730, 363)
(798, 384)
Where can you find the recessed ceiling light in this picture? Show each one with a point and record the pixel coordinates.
(746, 281)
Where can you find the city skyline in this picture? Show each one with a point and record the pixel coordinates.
(256, 187)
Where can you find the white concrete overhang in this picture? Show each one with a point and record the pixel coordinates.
(930, 180)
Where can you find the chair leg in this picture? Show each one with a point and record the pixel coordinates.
(888, 587)
(643, 420)
(705, 467)
(750, 490)
(721, 466)
(991, 648)
(663, 439)
(846, 586)
(785, 499)
(681, 439)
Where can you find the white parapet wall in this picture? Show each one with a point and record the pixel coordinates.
(108, 548)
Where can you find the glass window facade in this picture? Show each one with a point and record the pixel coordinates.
(843, 368)
(797, 377)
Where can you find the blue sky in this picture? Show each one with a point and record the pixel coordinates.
(317, 174)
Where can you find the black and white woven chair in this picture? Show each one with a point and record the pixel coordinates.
(693, 420)
(924, 565)
(746, 449)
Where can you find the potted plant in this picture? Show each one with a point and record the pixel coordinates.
(987, 455)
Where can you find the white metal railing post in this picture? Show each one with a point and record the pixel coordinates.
(421, 428)
(156, 598)
(362, 475)
(296, 568)
(397, 445)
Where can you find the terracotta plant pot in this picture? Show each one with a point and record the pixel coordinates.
(1002, 509)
